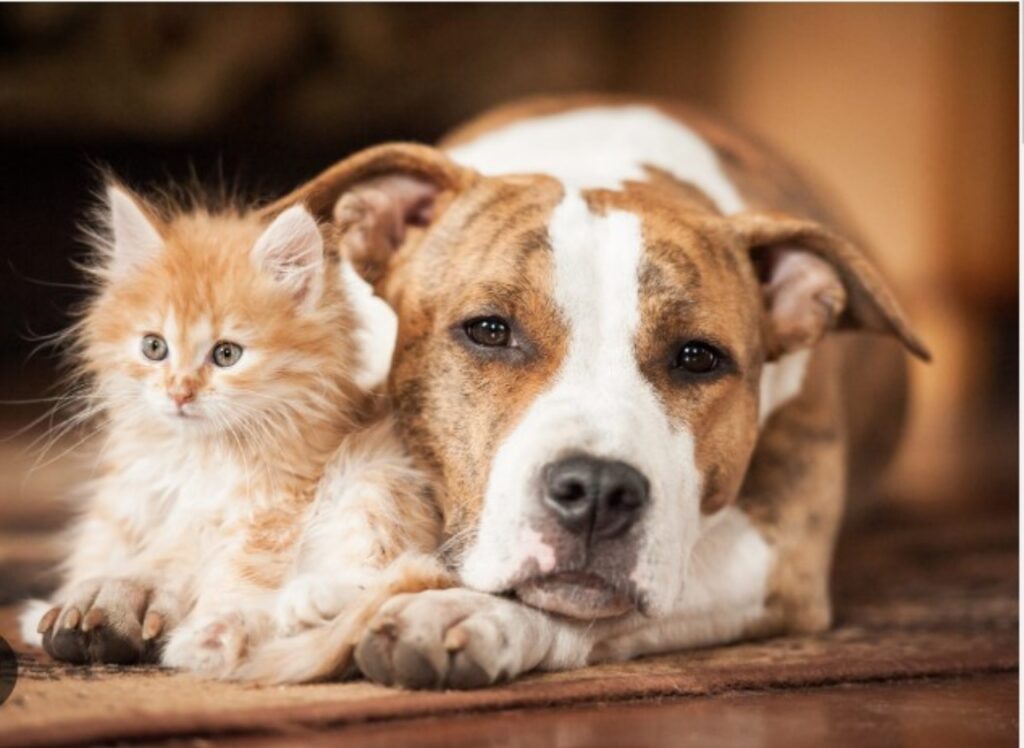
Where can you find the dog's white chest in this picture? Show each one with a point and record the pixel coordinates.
(722, 595)
(729, 567)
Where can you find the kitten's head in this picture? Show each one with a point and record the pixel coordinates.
(216, 322)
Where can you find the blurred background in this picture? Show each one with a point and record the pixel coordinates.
(907, 112)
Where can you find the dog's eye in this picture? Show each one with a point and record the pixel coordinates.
(491, 332)
(154, 347)
(226, 353)
(697, 357)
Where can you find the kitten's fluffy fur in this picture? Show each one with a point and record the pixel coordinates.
(236, 502)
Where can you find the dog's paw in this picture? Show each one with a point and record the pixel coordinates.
(213, 645)
(106, 620)
(311, 600)
(444, 639)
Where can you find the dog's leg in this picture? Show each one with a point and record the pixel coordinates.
(459, 638)
(794, 494)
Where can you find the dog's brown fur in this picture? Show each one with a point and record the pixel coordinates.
(489, 233)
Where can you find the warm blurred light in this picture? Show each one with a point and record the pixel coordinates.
(906, 112)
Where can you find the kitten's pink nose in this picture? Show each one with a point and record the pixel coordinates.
(182, 392)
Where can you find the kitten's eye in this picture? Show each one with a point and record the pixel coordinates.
(491, 332)
(154, 347)
(697, 357)
(226, 353)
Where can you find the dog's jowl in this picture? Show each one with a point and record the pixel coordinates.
(615, 353)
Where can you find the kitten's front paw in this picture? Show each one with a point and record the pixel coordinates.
(209, 645)
(107, 620)
(311, 600)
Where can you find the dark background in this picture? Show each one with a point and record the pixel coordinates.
(907, 112)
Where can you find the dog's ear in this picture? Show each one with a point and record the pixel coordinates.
(814, 280)
(374, 197)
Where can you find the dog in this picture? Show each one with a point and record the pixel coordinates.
(618, 354)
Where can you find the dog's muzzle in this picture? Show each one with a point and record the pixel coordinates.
(591, 504)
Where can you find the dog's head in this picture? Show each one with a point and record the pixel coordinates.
(586, 370)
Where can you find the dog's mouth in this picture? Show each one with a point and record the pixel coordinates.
(575, 594)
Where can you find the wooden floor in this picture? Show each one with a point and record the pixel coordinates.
(958, 713)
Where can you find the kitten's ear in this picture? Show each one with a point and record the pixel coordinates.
(291, 250)
(133, 230)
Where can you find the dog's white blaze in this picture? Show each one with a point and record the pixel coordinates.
(602, 147)
(781, 381)
(598, 403)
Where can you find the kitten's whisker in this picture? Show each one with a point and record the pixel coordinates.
(36, 400)
(48, 414)
(52, 435)
(39, 465)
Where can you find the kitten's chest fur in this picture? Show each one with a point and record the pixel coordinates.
(181, 504)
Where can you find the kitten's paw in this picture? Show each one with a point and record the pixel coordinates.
(311, 600)
(107, 620)
(209, 645)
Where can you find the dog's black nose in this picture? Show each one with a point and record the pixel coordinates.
(604, 497)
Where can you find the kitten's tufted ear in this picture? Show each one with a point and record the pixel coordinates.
(291, 250)
(814, 281)
(133, 228)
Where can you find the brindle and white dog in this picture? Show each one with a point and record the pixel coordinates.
(613, 355)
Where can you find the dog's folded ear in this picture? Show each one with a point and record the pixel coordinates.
(375, 196)
(814, 280)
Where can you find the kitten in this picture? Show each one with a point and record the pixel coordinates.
(246, 485)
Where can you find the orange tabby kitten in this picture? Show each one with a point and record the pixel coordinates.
(244, 488)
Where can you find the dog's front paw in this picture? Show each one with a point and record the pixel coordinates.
(211, 645)
(108, 620)
(452, 638)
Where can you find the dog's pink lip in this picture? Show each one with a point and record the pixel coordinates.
(575, 594)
